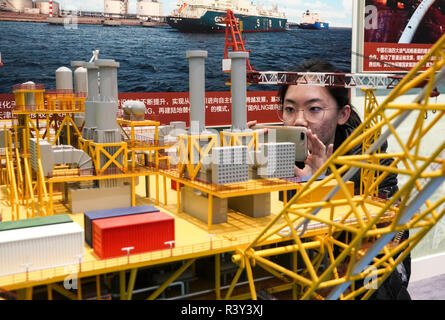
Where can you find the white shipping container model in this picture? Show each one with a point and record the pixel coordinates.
(41, 247)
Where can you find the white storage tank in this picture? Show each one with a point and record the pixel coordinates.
(64, 79)
(16, 5)
(81, 81)
(32, 11)
(40, 247)
(149, 8)
(43, 5)
(115, 7)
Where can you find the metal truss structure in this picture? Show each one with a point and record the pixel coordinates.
(345, 80)
(354, 251)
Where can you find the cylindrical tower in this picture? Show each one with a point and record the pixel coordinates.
(197, 89)
(90, 103)
(106, 110)
(17, 5)
(115, 7)
(81, 81)
(80, 78)
(64, 79)
(48, 7)
(239, 87)
(148, 8)
(108, 79)
(93, 81)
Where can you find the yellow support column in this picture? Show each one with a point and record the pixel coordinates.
(165, 190)
(131, 282)
(172, 278)
(218, 276)
(49, 288)
(210, 212)
(79, 289)
(133, 191)
(122, 282)
(157, 189)
(98, 291)
(29, 293)
(178, 197)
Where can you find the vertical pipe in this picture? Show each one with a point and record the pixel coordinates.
(165, 190)
(131, 283)
(133, 191)
(218, 276)
(50, 291)
(98, 293)
(295, 270)
(29, 293)
(178, 197)
(122, 282)
(197, 89)
(239, 87)
(157, 189)
(250, 279)
(93, 96)
(210, 212)
(93, 81)
(79, 289)
(106, 110)
(108, 79)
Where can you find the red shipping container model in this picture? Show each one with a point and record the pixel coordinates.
(145, 232)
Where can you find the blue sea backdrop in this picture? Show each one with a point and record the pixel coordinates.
(154, 59)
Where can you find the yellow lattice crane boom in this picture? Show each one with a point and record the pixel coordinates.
(358, 234)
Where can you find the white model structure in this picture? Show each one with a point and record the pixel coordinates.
(28, 249)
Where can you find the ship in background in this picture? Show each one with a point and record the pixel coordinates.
(208, 16)
(311, 20)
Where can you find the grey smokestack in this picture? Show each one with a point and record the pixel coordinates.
(197, 88)
(93, 97)
(239, 87)
(93, 81)
(108, 79)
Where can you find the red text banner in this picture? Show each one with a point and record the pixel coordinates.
(389, 57)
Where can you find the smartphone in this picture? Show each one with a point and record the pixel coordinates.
(296, 135)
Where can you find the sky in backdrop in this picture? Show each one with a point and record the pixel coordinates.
(337, 12)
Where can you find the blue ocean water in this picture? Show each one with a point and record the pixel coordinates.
(153, 59)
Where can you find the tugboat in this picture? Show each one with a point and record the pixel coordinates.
(208, 16)
(311, 20)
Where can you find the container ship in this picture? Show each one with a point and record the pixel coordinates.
(312, 20)
(208, 16)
